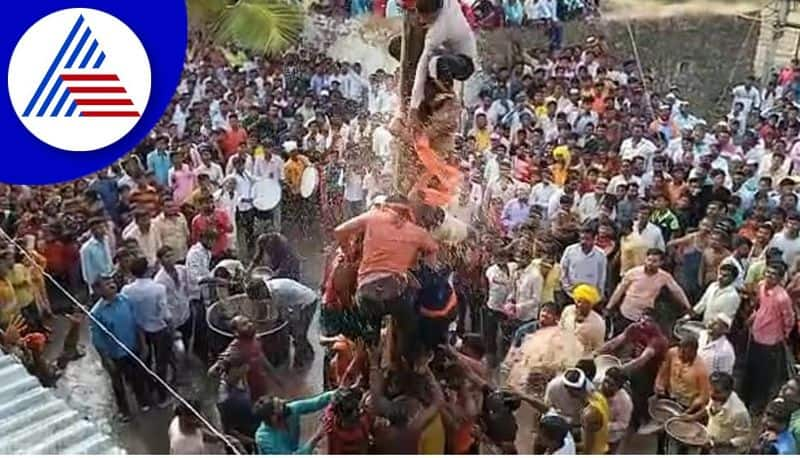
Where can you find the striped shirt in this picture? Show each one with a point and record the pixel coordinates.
(146, 198)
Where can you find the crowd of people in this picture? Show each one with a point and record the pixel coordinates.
(582, 205)
(481, 14)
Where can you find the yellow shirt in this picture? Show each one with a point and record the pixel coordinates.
(600, 443)
(559, 175)
(8, 302)
(551, 282)
(20, 278)
(432, 439)
(632, 252)
(482, 139)
(293, 172)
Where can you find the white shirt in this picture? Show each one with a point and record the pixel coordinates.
(541, 10)
(790, 248)
(179, 119)
(651, 235)
(248, 164)
(750, 98)
(644, 148)
(450, 29)
(244, 190)
(381, 142)
(272, 169)
(148, 242)
(501, 285)
(589, 206)
(718, 300)
(198, 267)
(541, 193)
(718, 355)
(614, 183)
(579, 267)
(555, 203)
(528, 291)
(213, 170)
(185, 444)
(353, 187)
(177, 294)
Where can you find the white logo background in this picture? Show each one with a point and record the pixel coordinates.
(33, 55)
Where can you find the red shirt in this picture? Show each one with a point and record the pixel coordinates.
(56, 255)
(647, 334)
(231, 140)
(220, 222)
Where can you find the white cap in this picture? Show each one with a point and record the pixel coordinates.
(290, 146)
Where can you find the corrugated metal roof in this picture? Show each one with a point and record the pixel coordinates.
(34, 421)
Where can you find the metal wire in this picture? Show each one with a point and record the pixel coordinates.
(127, 350)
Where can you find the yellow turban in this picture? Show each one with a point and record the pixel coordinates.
(586, 293)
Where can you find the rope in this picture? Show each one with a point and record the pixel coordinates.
(639, 67)
(127, 350)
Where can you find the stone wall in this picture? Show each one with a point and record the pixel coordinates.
(698, 53)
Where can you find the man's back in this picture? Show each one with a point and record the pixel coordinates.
(392, 244)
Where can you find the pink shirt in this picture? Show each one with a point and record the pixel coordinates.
(182, 183)
(641, 291)
(774, 317)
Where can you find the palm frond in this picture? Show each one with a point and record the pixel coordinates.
(204, 12)
(265, 26)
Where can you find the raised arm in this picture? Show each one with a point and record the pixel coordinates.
(351, 228)
(428, 414)
(678, 293)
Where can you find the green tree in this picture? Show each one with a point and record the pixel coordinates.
(264, 26)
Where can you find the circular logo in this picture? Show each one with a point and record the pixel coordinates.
(79, 79)
(87, 81)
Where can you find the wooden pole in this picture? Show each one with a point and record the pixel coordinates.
(404, 156)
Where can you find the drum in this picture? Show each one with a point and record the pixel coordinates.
(266, 194)
(309, 182)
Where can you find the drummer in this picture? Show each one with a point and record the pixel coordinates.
(294, 301)
(266, 196)
(683, 376)
(727, 419)
(648, 346)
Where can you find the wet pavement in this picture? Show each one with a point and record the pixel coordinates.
(86, 386)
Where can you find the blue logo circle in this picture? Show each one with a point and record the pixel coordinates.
(86, 83)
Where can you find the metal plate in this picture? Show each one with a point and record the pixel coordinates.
(687, 432)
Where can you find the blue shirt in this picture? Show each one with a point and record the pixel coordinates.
(271, 441)
(785, 444)
(515, 213)
(159, 163)
(117, 316)
(149, 299)
(109, 194)
(95, 260)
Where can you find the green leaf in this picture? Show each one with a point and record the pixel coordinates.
(204, 12)
(264, 26)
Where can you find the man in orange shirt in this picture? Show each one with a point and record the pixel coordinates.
(392, 244)
(234, 136)
(684, 377)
